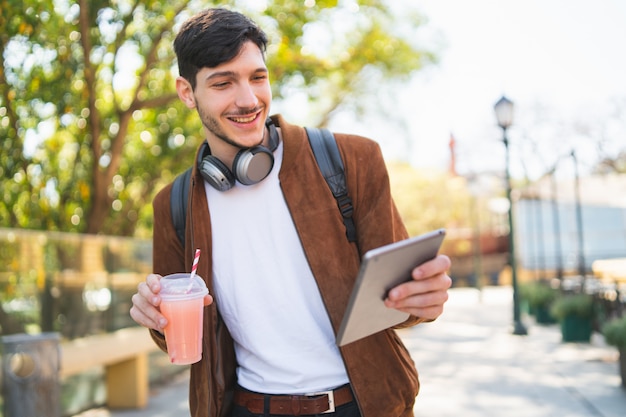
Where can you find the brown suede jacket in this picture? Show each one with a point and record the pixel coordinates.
(381, 371)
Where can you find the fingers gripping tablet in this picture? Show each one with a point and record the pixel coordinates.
(382, 269)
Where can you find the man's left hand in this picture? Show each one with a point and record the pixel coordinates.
(425, 295)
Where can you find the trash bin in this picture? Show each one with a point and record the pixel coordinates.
(30, 375)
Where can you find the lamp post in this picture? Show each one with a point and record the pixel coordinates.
(579, 221)
(557, 226)
(504, 116)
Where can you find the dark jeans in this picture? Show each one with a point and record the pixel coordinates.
(346, 410)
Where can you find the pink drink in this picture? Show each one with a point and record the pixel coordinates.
(183, 306)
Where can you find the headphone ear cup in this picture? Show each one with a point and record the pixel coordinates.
(216, 173)
(253, 165)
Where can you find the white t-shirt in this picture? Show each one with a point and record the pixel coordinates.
(266, 292)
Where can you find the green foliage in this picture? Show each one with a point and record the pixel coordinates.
(336, 54)
(614, 332)
(538, 294)
(578, 305)
(91, 124)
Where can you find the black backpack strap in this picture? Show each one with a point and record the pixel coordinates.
(329, 161)
(178, 204)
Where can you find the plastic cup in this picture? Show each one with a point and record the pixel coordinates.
(183, 307)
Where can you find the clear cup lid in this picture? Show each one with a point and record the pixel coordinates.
(179, 287)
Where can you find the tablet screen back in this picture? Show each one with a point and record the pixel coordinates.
(381, 270)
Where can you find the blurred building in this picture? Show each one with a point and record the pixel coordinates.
(563, 226)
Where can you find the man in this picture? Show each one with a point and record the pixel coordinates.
(274, 250)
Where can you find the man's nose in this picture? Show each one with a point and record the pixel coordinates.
(246, 97)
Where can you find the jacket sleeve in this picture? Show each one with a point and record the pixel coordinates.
(377, 219)
(167, 251)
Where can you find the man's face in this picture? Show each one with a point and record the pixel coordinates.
(233, 100)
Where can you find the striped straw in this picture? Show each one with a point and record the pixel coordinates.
(194, 268)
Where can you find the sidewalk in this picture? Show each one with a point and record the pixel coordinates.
(471, 365)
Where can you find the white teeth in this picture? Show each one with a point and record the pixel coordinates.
(243, 119)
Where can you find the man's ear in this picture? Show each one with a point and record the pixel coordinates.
(185, 92)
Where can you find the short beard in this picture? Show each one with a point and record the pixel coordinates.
(212, 125)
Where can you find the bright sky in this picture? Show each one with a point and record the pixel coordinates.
(567, 57)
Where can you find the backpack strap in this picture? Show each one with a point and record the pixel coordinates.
(328, 159)
(178, 203)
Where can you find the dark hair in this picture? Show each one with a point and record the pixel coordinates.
(212, 37)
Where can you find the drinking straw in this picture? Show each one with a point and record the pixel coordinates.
(194, 267)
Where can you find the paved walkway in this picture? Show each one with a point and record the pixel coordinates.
(471, 365)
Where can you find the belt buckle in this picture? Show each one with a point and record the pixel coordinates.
(331, 400)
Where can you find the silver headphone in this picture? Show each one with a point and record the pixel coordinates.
(250, 166)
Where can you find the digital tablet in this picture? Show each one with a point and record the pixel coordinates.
(381, 270)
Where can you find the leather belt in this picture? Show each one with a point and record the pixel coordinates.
(297, 405)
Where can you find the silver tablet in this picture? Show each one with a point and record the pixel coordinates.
(382, 269)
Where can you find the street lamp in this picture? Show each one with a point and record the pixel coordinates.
(557, 226)
(579, 221)
(504, 116)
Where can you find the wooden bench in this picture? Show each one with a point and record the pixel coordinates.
(124, 355)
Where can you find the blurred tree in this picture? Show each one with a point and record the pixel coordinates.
(612, 165)
(612, 161)
(19, 85)
(89, 117)
(429, 200)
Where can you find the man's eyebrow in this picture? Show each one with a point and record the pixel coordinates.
(220, 74)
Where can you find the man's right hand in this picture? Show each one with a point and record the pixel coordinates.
(145, 310)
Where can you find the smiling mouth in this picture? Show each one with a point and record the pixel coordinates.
(246, 119)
